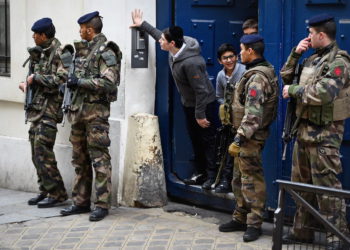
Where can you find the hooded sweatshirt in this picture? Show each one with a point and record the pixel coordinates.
(189, 73)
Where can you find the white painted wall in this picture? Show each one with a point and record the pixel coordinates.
(136, 92)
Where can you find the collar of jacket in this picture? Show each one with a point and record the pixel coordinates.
(256, 62)
(322, 51)
(97, 38)
(49, 45)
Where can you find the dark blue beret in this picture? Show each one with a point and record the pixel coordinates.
(87, 17)
(252, 38)
(42, 25)
(318, 19)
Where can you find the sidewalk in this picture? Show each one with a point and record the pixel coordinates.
(27, 227)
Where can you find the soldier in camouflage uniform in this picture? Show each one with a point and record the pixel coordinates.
(322, 106)
(94, 86)
(254, 108)
(48, 64)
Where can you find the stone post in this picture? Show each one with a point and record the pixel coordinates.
(144, 178)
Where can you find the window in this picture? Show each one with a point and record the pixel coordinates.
(5, 56)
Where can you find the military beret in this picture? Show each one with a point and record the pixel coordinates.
(42, 25)
(318, 19)
(87, 17)
(252, 38)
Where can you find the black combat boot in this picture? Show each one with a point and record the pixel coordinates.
(252, 234)
(195, 179)
(232, 226)
(74, 209)
(35, 200)
(49, 202)
(292, 239)
(208, 183)
(336, 245)
(223, 187)
(98, 214)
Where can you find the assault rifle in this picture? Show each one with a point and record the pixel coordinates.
(67, 98)
(224, 134)
(34, 57)
(290, 120)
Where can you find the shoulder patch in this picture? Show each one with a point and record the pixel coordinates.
(109, 57)
(252, 92)
(66, 59)
(338, 71)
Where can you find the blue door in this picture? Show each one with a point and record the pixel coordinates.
(283, 24)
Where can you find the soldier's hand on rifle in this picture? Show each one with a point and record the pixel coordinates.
(72, 82)
(235, 146)
(22, 86)
(136, 16)
(30, 79)
(285, 93)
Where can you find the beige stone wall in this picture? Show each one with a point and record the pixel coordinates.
(136, 92)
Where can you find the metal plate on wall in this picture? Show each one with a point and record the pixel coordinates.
(235, 29)
(204, 32)
(212, 2)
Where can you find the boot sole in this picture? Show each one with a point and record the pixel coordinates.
(80, 212)
(224, 230)
(57, 204)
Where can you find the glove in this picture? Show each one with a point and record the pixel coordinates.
(72, 82)
(234, 149)
(235, 146)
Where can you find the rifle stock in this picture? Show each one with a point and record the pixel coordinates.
(224, 138)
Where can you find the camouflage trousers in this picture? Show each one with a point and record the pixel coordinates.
(248, 184)
(42, 136)
(90, 140)
(318, 165)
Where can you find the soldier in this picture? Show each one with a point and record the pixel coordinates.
(321, 96)
(254, 108)
(197, 95)
(250, 26)
(48, 64)
(230, 74)
(94, 86)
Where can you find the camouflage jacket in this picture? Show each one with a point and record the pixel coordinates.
(329, 79)
(97, 65)
(49, 72)
(255, 101)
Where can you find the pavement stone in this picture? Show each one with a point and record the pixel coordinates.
(125, 228)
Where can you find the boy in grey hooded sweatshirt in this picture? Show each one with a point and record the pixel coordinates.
(197, 95)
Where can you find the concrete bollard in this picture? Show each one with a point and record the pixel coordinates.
(144, 178)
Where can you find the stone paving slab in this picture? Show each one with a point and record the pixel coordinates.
(124, 228)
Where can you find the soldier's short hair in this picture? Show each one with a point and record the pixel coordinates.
(96, 24)
(329, 28)
(50, 32)
(258, 47)
(250, 23)
(176, 34)
(224, 48)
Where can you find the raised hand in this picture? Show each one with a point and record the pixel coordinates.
(136, 16)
